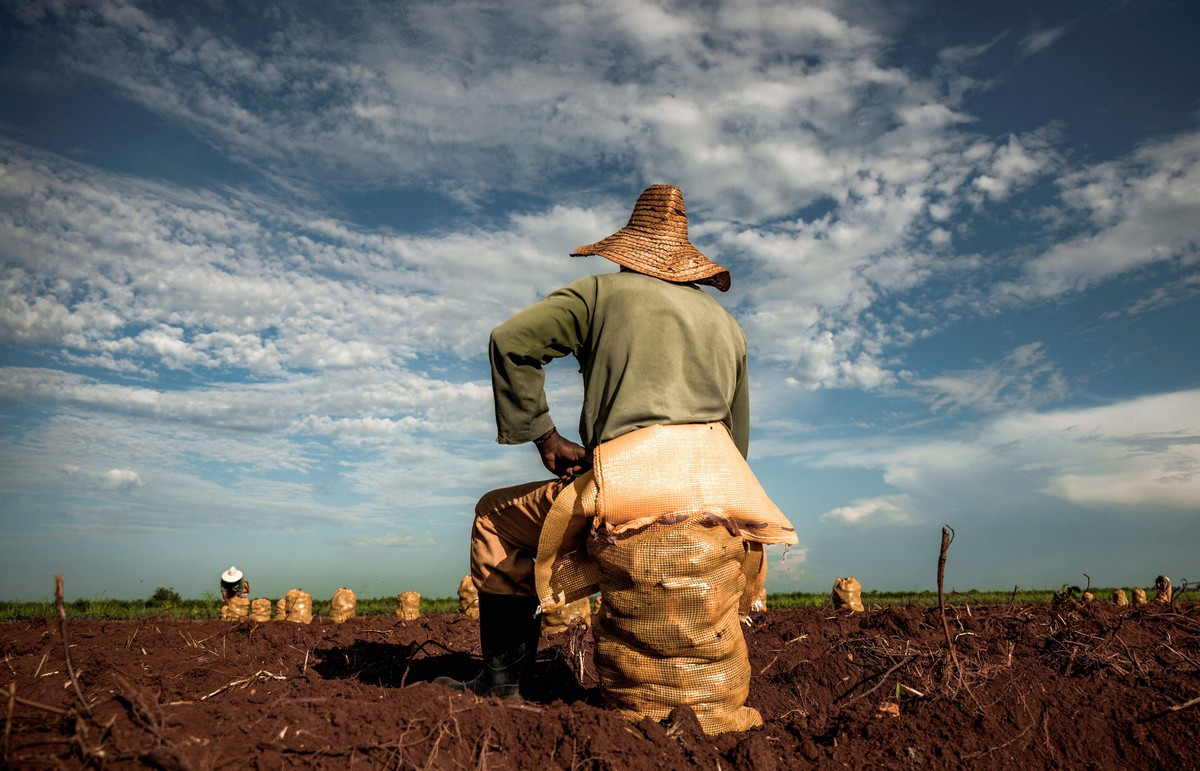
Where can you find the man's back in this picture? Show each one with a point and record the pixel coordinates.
(651, 353)
(658, 353)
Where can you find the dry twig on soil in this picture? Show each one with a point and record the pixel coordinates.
(947, 539)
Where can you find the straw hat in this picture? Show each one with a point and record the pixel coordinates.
(233, 575)
(655, 242)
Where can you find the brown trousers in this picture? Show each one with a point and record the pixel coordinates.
(504, 539)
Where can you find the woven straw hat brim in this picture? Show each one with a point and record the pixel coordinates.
(655, 242)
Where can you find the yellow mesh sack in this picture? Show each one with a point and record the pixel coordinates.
(468, 598)
(669, 525)
(408, 606)
(670, 633)
(260, 609)
(847, 593)
(342, 606)
(235, 609)
(558, 619)
(1162, 590)
(299, 606)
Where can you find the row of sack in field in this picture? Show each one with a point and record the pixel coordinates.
(296, 606)
(847, 594)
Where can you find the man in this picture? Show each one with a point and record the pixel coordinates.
(233, 584)
(654, 350)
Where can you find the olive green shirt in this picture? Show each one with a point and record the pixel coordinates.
(651, 353)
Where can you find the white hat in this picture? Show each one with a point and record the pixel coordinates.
(231, 576)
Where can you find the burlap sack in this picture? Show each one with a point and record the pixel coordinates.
(235, 609)
(341, 607)
(1120, 599)
(408, 606)
(670, 634)
(468, 598)
(678, 522)
(847, 593)
(299, 607)
(1162, 590)
(1139, 596)
(260, 609)
(558, 619)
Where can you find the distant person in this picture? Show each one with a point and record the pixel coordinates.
(233, 584)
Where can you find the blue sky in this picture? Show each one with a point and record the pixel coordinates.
(250, 255)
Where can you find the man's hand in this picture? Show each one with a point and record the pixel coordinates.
(561, 456)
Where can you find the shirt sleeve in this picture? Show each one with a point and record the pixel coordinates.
(739, 410)
(520, 347)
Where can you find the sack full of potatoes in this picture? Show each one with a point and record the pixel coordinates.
(341, 607)
(847, 593)
(296, 606)
(408, 606)
(260, 609)
(1162, 590)
(235, 609)
(468, 598)
(558, 619)
(667, 526)
(1120, 599)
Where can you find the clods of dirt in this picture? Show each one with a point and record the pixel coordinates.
(1067, 686)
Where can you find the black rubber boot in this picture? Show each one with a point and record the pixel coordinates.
(509, 629)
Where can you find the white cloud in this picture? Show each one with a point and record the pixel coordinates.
(891, 509)
(1024, 378)
(1041, 39)
(389, 540)
(1143, 452)
(120, 479)
(1138, 211)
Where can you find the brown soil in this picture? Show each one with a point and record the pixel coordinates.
(1044, 686)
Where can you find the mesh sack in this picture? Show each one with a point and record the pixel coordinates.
(1139, 596)
(299, 607)
(847, 593)
(1162, 589)
(669, 526)
(408, 606)
(468, 598)
(559, 618)
(235, 609)
(281, 609)
(341, 607)
(670, 633)
(260, 609)
(1119, 598)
